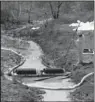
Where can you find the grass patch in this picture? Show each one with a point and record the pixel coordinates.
(85, 92)
(10, 42)
(9, 59)
(18, 93)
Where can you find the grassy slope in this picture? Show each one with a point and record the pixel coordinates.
(86, 91)
(9, 90)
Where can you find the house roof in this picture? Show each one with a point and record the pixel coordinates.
(88, 26)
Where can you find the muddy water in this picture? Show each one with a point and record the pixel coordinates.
(33, 60)
(58, 95)
(52, 95)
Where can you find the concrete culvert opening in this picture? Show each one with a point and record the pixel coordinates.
(53, 71)
(25, 71)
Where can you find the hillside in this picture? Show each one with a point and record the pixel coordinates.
(56, 38)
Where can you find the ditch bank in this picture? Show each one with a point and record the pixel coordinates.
(60, 88)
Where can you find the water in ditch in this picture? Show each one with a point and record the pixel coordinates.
(33, 60)
(56, 82)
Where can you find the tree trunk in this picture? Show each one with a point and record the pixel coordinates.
(55, 14)
(29, 18)
(29, 15)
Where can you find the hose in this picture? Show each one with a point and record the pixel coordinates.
(16, 66)
(68, 88)
(48, 88)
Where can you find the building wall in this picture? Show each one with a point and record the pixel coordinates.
(85, 42)
(88, 40)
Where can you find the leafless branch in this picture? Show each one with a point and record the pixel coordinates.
(51, 8)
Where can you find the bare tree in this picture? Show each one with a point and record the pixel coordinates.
(28, 10)
(55, 8)
(29, 14)
(19, 11)
(15, 10)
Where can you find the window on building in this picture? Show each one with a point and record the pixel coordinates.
(88, 51)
